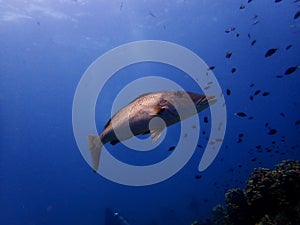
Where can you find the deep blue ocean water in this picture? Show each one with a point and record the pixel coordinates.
(46, 46)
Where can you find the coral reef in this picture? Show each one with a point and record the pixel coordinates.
(271, 197)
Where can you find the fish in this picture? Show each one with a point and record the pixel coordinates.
(205, 119)
(257, 92)
(291, 70)
(228, 54)
(297, 15)
(241, 114)
(270, 52)
(272, 131)
(276, 1)
(138, 114)
(242, 6)
(171, 148)
(233, 70)
(211, 68)
(253, 42)
(288, 47)
(228, 92)
(266, 93)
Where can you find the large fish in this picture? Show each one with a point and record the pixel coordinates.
(134, 119)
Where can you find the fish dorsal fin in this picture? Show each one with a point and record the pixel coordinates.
(155, 133)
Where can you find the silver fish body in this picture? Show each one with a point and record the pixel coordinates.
(136, 117)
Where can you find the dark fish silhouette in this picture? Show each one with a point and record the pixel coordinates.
(211, 68)
(249, 1)
(270, 52)
(242, 6)
(228, 54)
(272, 131)
(297, 15)
(279, 76)
(241, 114)
(205, 119)
(297, 122)
(288, 47)
(266, 93)
(257, 92)
(171, 148)
(276, 1)
(253, 42)
(251, 98)
(233, 70)
(291, 70)
(228, 92)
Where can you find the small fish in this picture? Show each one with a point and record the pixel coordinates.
(297, 15)
(266, 124)
(282, 114)
(272, 131)
(249, 1)
(291, 70)
(257, 92)
(249, 35)
(255, 22)
(266, 93)
(205, 119)
(270, 52)
(227, 31)
(232, 29)
(254, 159)
(297, 122)
(251, 85)
(211, 68)
(137, 115)
(198, 177)
(288, 47)
(233, 70)
(171, 148)
(241, 114)
(276, 1)
(152, 14)
(279, 76)
(228, 54)
(251, 98)
(241, 135)
(228, 92)
(240, 140)
(237, 34)
(242, 6)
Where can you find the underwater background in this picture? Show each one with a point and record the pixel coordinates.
(252, 47)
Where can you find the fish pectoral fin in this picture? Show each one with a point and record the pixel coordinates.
(155, 110)
(155, 133)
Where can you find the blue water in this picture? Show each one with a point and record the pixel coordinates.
(46, 46)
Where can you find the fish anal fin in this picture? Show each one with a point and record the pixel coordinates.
(95, 146)
(156, 133)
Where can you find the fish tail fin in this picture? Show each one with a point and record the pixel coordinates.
(95, 146)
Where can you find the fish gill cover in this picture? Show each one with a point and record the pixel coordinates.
(251, 47)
